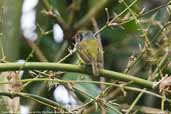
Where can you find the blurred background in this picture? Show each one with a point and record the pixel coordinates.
(135, 36)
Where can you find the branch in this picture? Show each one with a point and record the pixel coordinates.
(145, 109)
(58, 18)
(36, 98)
(73, 68)
(92, 13)
(39, 54)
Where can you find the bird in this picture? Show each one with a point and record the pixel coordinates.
(89, 50)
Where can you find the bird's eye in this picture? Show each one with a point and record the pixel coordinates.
(81, 37)
(77, 38)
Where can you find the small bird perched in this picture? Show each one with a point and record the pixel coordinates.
(89, 50)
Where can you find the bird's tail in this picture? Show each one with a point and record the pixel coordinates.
(95, 69)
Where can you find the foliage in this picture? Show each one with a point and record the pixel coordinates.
(136, 42)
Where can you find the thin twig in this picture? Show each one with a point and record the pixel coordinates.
(113, 20)
(162, 61)
(95, 82)
(135, 102)
(36, 98)
(85, 21)
(58, 17)
(36, 50)
(163, 102)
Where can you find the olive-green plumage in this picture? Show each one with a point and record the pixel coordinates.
(90, 50)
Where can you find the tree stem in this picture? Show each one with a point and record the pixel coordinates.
(73, 68)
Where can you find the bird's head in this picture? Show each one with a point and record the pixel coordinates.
(83, 35)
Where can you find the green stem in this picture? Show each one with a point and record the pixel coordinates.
(92, 82)
(88, 81)
(162, 102)
(61, 53)
(36, 98)
(130, 10)
(145, 109)
(126, 77)
(156, 8)
(126, 9)
(106, 25)
(161, 63)
(135, 102)
(73, 68)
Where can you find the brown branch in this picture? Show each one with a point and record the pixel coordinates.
(94, 12)
(51, 12)
(37, 51)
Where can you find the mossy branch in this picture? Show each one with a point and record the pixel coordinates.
(73, 68)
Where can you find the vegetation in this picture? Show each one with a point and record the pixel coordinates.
(135, 36)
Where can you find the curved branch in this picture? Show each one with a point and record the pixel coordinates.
(73, 68)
